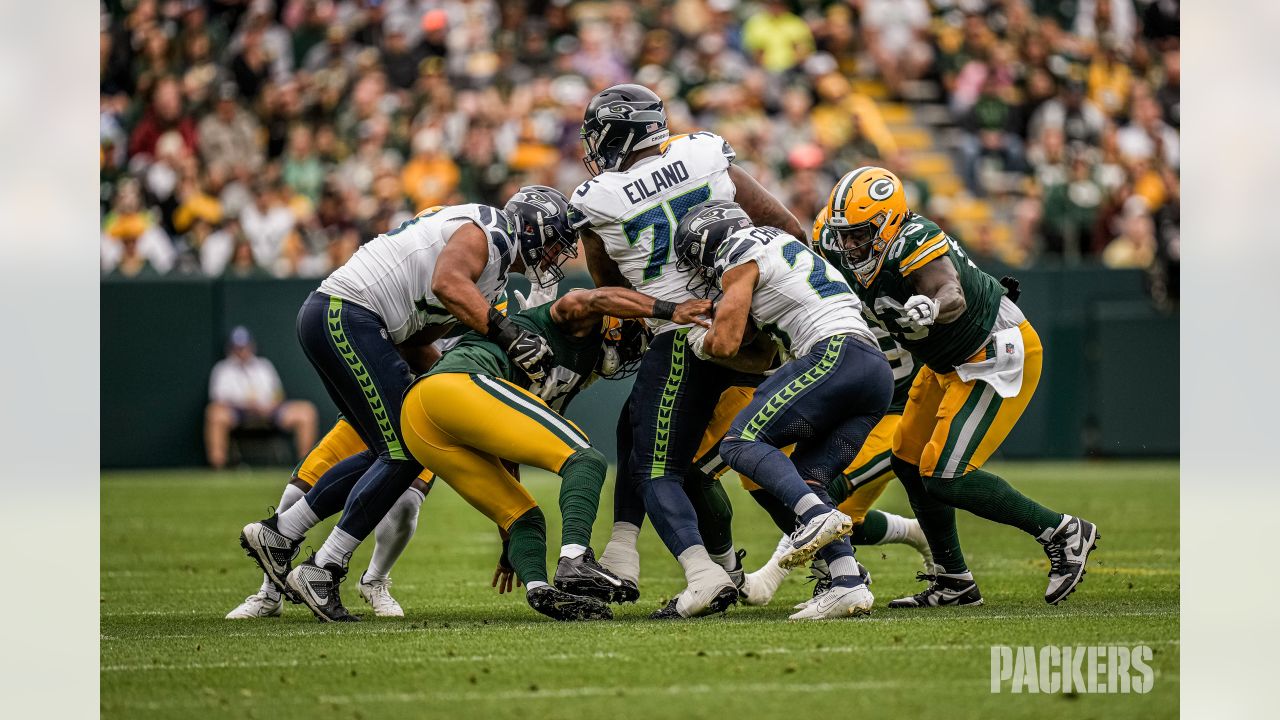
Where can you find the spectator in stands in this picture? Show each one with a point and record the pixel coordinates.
(165, 114)
(245, 392)
(1135, 247)
(778, 39)
(229, 135)
(370, 111)
(895, 33)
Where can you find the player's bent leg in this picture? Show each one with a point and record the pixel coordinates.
(977, 420)
(671, 403)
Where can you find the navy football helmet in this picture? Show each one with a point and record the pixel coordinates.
(545, 239)
(699, 235)
(620, 120)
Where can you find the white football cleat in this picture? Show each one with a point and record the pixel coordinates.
(815, 535)
(378, 594)
(838, 602)
(759, 587)
(258, 605)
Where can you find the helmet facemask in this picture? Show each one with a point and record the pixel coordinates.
(858, 247)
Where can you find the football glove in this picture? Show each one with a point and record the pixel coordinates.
(921, 309)
(531, 352)
(538, 295)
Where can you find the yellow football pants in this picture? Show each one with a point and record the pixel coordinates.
(464, 425)
(951, 427)
(341, 442)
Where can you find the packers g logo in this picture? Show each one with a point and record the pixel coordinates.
(881, 189)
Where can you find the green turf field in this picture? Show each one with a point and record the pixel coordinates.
(171, 568)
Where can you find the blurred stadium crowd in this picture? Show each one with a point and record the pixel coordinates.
(270, 138)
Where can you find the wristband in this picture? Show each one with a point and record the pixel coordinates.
(664, 309)
(501, 329)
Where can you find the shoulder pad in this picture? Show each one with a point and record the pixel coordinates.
(737, 249)
(594, 203)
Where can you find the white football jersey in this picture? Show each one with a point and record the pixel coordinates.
(391, 274)
(636, 211)
(799, 298)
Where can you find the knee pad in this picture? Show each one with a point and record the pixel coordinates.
(744, 456)
(588, 460)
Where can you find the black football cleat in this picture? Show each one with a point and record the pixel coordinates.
(560, 605)
(585, 577)
(317, 588)
(943, 591)
(273, 552)
(1068, 550)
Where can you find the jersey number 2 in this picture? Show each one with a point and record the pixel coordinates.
(818, 278)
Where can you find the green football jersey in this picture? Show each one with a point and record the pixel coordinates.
(576, 357)
(940, 346)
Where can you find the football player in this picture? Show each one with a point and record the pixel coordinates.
(476, 409)
(445, 266)
(824, 400)
(982, 361)
(856, 489)
(643, 182)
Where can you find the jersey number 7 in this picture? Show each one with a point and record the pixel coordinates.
(663, 218)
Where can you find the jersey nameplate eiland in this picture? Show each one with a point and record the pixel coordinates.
(664, 177)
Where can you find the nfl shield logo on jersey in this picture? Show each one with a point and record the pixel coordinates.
(1008, 348)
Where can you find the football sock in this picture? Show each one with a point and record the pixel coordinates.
(292, 494)
(535, 585)
(715, 512)
(873, 530)
(393, 533)
(527, 548)
(297, 520)
(620, 555)
(780, 514)
(767, 466)
(698, 564)
(844, 566)
(372, 497)
(337, 548)
(809, 507)
(572, 551)
(673, 515)
(726, 560)
(582, 476)
(937, 519)
(990, 496)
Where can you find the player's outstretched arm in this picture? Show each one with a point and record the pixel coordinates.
(604, 269)
(732, 312)
(940, 298)
(762, 207)
(457, 270)
(582, 310)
